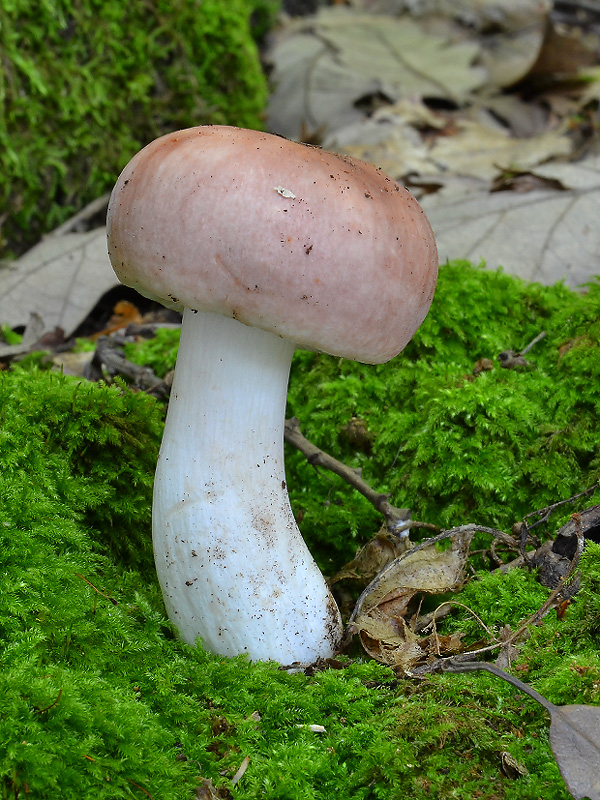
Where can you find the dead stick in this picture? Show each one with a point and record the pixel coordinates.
(395, 518)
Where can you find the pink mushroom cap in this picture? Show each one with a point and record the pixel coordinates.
(318, 248)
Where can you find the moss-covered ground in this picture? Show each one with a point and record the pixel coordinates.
(98, 699)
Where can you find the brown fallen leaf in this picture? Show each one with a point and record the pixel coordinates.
(424, 568)
(371, 559)
(124, 313)
(207, 791)
(379, 617)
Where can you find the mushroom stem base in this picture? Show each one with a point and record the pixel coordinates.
(234, 569)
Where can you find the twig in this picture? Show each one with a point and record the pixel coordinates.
(533, 342)
(511, 360)
(108, 357)
(141, 788)
(551, 600)
(544, 513)
(442, 611)
(58, 696)
(455, 665)
(396, 519)
(95, 588)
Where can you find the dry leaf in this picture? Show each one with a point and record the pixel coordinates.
(476, 147)
(324, 64)
(574, 739)
(542, 235)
(390, 138)
(510, 33)
(422, 569)
(61, 279)
(380, 614)
(574, 733)
(371, 559)
(479, 150)
(511, 767)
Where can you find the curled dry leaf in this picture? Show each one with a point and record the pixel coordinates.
(371, 559)
(380, 616)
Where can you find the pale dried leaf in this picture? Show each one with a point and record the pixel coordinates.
(327, 62)
(379, 616)
(523, 118)
(371, 559)
(480, 150)
(312, 92)
(71, 363)
(476, 148)
(505, 15)
(508, 59)
(511, 33)
(389, 138)
(60, 279)
(422, 569)
(389, 641)
(542, 235)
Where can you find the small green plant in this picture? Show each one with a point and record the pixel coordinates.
(85, 84)
(9, 336)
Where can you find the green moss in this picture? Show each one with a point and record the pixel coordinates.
(85, 84)
(569, 670)
(454, 448)
(158, 353)
(99, 700)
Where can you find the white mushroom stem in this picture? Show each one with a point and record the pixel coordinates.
(231, 561)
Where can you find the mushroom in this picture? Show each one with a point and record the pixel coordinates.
(266, 245)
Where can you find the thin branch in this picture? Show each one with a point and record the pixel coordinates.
(561, 591)
(95, 588)
(396, 519)
(58, 696)
(533, 342)
(108, 357)
(441, 612)
(455, 665)
(544, 513)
